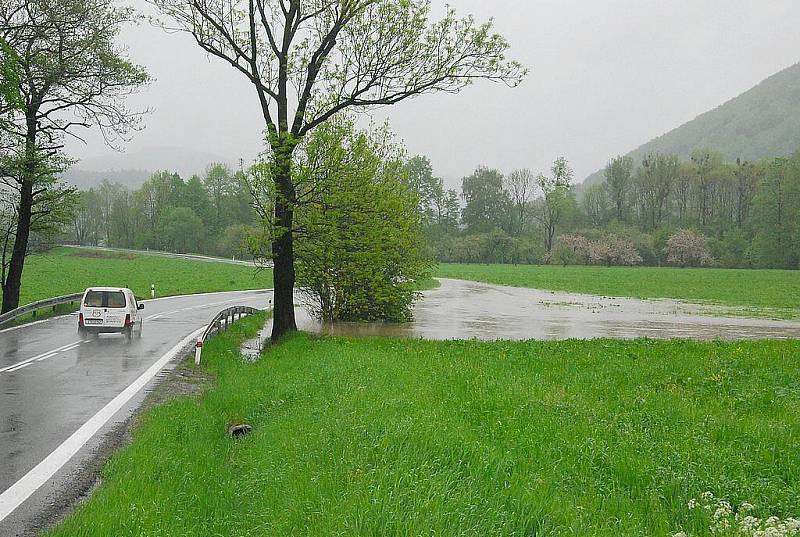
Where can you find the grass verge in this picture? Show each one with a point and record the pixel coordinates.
(772, 291)
(68, 270)
(401, 437)
(427, 284)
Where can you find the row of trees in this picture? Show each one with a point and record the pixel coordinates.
(61, 73)
(746, 214)
(211, 214)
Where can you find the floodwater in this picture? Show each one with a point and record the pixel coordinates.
(469, 310)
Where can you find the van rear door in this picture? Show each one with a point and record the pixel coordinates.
(104, 308)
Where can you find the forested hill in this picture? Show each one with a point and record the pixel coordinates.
(762, 122)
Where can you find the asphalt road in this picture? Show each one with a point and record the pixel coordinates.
(52, 382)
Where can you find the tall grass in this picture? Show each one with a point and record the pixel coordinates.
(390, 437)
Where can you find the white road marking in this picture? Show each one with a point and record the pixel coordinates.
(46, 356)
(70, 345)
(42, 472)
(26, 364)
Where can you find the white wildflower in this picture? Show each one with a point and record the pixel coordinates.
(749, 524)
(724, 510)
(680, 534)
(707, 495)
(745, 507)
(692, 503)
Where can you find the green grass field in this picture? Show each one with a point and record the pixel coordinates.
(388, 437)
(65, 271)
(760, 289)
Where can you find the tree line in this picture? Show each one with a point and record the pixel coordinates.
(659, 211)
(209, 214)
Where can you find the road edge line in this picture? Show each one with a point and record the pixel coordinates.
(24, 488)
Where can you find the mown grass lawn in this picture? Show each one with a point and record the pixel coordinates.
(777, 289)
(66, 271)
(401, 437)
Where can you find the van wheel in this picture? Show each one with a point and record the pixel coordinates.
(139, 332)
(129, 333)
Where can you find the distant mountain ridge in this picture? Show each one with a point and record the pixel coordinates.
(760, 123)
(134, 168)
(84, 179)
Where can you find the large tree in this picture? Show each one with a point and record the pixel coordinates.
(618, 174)
(486, 201)
(520, 185)
(309, 60)
(557, 199)
(71, 76)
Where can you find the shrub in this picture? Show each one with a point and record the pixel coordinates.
(614, 250)
(687, 248)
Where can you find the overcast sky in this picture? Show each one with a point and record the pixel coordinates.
(606, 76)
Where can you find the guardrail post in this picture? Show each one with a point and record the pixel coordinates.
(198, 349)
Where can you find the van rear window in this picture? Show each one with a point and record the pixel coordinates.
(105, 299)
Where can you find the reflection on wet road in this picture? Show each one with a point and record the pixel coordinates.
(467, 310)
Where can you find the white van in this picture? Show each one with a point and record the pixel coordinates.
(110, 310)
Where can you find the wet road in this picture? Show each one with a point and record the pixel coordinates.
(52, 381)
(467, 310)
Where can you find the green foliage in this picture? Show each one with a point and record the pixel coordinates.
(439, 207)
(10, 98)
(359, 241)
(209, 215)
(776, 211)
(181, 230)
(487, 201)
(389, 437)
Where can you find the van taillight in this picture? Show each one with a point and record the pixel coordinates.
(80, 319)
(128, 320)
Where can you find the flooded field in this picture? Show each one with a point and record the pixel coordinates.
(469, 310)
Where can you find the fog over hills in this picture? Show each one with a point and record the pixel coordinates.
(135, 167)
(762, 122)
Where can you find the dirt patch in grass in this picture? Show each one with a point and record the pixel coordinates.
(98, 254)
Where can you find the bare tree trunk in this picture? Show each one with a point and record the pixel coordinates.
(283, 247)
(13, 282)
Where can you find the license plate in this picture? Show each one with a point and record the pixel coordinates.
(93, 321)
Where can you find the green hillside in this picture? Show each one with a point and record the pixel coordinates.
(762, 122)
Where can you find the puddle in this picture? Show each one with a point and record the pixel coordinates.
(251, 349)
(469, 310)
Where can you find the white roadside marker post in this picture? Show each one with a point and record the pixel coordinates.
(198, 349)
(152, 290)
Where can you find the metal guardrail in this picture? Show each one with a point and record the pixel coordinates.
(221, 323)
(176, 255)
(35, 306)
